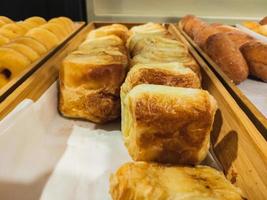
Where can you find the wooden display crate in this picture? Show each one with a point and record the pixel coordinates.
(237, 143)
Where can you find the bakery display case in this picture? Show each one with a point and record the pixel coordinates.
(127, 108)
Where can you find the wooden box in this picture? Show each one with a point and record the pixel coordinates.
(237, 144)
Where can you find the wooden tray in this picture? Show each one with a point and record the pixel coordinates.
(240, 148)
(247, 106)
(15, 82)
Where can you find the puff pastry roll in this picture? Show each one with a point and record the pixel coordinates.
(115, 29)
(150, 181)
(90, 84)
(172, 74)
(167, 124)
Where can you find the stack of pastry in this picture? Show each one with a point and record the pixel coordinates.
(24, 42)
(232, 50)
(167, 119)
(91, 76)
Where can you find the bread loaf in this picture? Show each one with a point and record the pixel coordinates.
(227, 56)
(255, 53)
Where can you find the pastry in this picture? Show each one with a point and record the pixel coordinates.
(89, 85)
(115, 29)
(239, 38)
(167, 124)
(47, 38)
(24, 50)
(263, 30)
(172, 74)
(8, 34)
(32, 43)
(263, 21)
(6, 20)
(255, 53)
(3, 80)
(151, 181)
(55, 29)
(12, 61)
(15, 28)
(202, 35)
(223, 51)
(36, 20)
(3, 40)
(62, 23)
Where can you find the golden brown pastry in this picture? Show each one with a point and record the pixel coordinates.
(263, 21)
(255, 53)
(172, 74)
(167, 124)
(12, 61)
(6, 20)
(191, 25)
(8, 34)
(201, 36)
(226, 28)
(151, 181)
(68, 22)
(24, 50)
(55, 29)
(30, 25)
(223, 51)
(3, 40)
(239, 38)
(36, 20)
(2, 23)
(3, 80)
(62, 23)
(47, 38)
(89, 85)
(115, 29)
(15, 28)
(32, 43)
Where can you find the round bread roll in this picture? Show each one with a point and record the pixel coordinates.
(3, 40)
(192, 25)
(6, 19)
(24, 26)
(255, 53)
(15, 28)
(8, 34)
(44, 36)
(32, 43)
(239, 38)
(263, 21)
(23, 49)
(227, 56)
(2, 23)
(56, 29)
(3, 80)
(12, 61)
(68, 22)
(203, 34)
(63, 23)
(29, 25)
(37, 20)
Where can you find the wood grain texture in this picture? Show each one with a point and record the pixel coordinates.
(248, 107)
(237, 143)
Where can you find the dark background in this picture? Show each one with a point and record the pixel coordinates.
(22, 9)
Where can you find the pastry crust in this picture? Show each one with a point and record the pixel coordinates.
(24, 50)
(115, 29)
(12, 61)
(15, 28)
(36, 20)
(3, 40)
(171, 74)
(55, 29)
(151, 181)
(227, 56)
(167, 124)
(239, 38)
(47, 38)
(89, 85)
(255, 53)
(201, 36)
(32, 43)
(6, 20)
